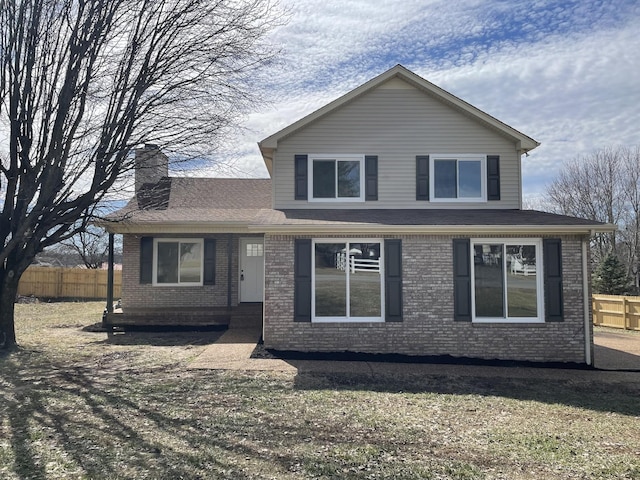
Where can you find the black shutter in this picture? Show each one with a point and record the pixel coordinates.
(146, 260)
(422, 177)
(393, 280)
(209, 261)
(461, 280)
(553, 299)
(493, 177)
(301, 177)
(302, 280)
(371, 177)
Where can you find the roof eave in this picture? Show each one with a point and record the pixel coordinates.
(332, 228)
(180, 228)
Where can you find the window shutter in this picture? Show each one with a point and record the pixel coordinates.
(422, 177)
(371, 178)
(393, 280)
(301, 175)
(493, 177)
(302, 280)
(146, 260)
(209, 266)
(553, 299)
(461, 280)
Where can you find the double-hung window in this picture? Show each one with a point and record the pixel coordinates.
(458, 178)
(507, 282)
(178, 261)
(347, 280)
(336, 178)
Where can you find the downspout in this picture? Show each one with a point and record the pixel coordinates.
(586, 306)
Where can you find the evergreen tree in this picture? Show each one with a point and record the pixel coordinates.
(610, 278)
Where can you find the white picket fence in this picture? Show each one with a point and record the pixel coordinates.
(356, 264)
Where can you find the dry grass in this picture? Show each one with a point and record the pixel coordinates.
(75, 404)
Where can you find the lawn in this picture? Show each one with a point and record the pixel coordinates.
(81, 405)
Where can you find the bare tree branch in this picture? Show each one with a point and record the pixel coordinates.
(605, 186)
(85, 81)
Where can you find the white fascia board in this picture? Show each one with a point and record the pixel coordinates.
(178, 228)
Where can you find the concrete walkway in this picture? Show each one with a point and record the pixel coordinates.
(233, 349)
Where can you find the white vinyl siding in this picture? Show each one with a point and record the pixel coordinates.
(396, 124)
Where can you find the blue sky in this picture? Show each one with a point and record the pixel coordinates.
(566, 73)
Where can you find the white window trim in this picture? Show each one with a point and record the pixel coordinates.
(537, 242)
(179, 240)
(339, 157)
(458, 157)
(346, 319)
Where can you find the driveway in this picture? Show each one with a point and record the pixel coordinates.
(617, 350)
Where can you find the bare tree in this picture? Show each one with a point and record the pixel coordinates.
(630, 227)
(90, 245)
(84, 81)
(604, 186)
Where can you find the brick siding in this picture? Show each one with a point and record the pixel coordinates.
(137, 295)
(428, 327)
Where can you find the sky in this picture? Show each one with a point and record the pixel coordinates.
(566, 73)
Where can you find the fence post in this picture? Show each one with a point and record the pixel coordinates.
(627, 320)
(59, 281)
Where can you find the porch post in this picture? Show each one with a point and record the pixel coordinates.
(110, 276)
(229, 267)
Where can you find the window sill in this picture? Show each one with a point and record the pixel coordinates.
(334, 322)
(496, 324)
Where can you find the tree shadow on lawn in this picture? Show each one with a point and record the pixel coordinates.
(100, 427)
(162, 422)
(617, 394)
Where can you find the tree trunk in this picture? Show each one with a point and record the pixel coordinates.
(8, 291)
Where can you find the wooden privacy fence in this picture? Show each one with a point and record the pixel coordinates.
(616, 311)
(57, 282)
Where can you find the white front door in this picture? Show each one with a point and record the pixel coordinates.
(251, 269)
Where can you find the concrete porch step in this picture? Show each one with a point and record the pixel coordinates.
(246, 315)
(187, 317)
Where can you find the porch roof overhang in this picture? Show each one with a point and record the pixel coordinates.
(372, 221)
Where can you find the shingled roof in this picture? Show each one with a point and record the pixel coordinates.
(195, 205)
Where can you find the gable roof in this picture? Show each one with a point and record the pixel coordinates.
(524, 142)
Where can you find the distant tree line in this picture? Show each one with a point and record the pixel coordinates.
(605, 186)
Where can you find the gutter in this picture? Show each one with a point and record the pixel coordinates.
(344, 228)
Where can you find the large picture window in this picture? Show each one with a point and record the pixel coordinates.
(347, 281)
(178, 261)
(507, 281)
(336, 177)
(458, 178)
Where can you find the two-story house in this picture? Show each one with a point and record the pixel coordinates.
(392, 223)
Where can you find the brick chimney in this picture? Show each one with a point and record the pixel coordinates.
(150, 165)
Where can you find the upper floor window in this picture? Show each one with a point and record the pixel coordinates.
(459, 178)
(336, 177)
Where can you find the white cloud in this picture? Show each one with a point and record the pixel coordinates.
(564, 73)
